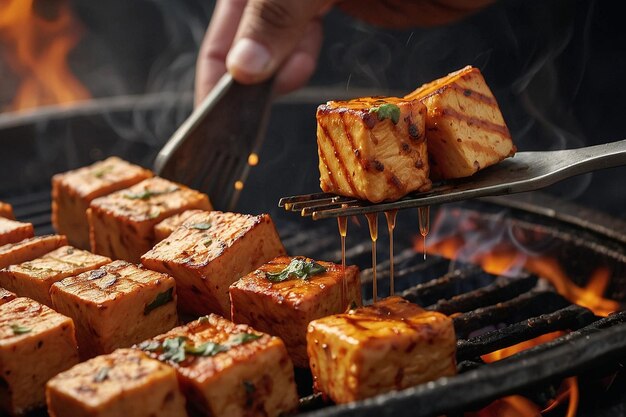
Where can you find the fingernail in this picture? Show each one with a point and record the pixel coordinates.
(248, 56)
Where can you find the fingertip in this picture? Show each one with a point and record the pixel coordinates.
(249, 61)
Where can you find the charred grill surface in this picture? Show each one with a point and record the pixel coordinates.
(490, 313)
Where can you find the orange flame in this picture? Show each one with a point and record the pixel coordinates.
(518, 406)
(37, 49)
(527, 344)
(504, 258)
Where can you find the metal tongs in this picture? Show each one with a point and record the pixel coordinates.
(526, 171)
(213, 150)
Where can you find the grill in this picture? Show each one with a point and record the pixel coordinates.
(490, 312)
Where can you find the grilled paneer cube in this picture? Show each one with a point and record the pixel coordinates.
(226, 369)
(125, 383)
(464, 127)
(29, 249)
(121, 225)
(285, 294)
(6, 210)
(211, 251)
(6, 296)
(34, 278)
(12, 231)
(72, 192)
(116, 306)
(167, 226)
(36, 343)
(372, 148)
(389, 345)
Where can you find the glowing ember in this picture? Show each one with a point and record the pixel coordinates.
(503, 259)
(36, 39)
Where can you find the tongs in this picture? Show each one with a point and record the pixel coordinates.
(526, 171)
(214, 149)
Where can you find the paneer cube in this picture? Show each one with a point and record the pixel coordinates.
(36, 343)
(121, 225)
(283, 296)
(29, 249)
(464, 126)
(226, 369)
(167, 226)
(6, 210)
(372, 148)
(72, 192)
(124, 383)
(6, 296)
(12, 231)
(389, 345)
(211, 251)
(116, 306)
(34, 278)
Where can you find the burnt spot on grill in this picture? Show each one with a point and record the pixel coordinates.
(378, 166)
(419, 164)
(476, 165)
(414, 132)
(467, 93)
(459, 140)
(405, 147)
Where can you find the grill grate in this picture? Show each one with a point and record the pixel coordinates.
(489, 313)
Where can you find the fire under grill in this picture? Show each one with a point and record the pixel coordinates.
(491, 313)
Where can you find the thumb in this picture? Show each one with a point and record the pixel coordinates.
(268, 33)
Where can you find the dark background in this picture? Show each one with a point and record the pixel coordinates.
(555, 66)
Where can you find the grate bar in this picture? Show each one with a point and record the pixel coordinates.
(523, 307)
(502, 289)
(572, 317)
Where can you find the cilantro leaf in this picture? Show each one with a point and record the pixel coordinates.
(160, 300)
(200, 226)
(387, 111)
(297, 268)
(17, 329)
(147, 194)
(102, 374)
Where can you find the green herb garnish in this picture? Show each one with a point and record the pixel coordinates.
(147, 194)
(102, 374)
(161, 299)
(103, 171)
(200, 226)
(98, 273)
(387, 111)
(242, 338)
(150, 345)
(297, 268)
(207, 243)
(176, 349)
(17, 329)
(110, 281)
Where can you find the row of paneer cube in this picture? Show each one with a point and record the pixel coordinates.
(157, 250)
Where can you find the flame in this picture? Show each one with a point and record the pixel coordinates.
(37, 48)
(527, 344)
(503, 258)
(518, 406)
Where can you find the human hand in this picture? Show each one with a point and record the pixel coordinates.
(254, 39)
